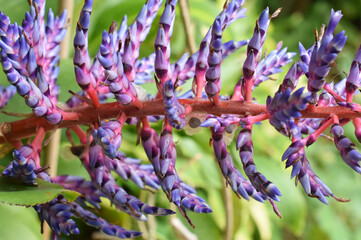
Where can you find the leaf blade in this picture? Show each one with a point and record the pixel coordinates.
(14, 192)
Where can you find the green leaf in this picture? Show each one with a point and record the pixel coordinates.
(19, 223)
(12, 191)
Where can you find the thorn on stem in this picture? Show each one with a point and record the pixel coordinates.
(112, 27)
(276, 13)
(184, 214)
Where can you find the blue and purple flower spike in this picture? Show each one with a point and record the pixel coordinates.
(324, 53)
(349, 154)
(23, 166)
(28, 50)
(162, 153)
(284, 108)
(174, 111)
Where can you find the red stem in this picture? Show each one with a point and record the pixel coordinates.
(122, 119)
(200, 81)
(349, 96)
(258, 118)
(333, 93)
(357, 124)
(237, 94)
(166, 125)
(248, 84)
(216, 100)
(70, 115)
(93, 96)
(38, 140)
(37, 145)
(13, 131)
(314, 136)
(145, 122)
(80, 133)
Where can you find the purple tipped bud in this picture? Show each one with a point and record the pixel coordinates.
(85, 20)
(213, 59)
(42, 84)
(211, 89)
(264, 20)
(353, 79)
(293, 148)
(255, 43)
(40, 111)
(82, 79)
(335, 18)
(338, 42)
(305, 181)
(54, 118)
(31, 65)
(160, 64)
(213, 73)
(249, 66)
(337, 130)
(124, 99)
(23, 88)
(210, 122)
(168, 88)
(105, 62)
(166, 18)
(78, 57)
(244, 137)
(160, 40)
(79, 39)
(120, 198)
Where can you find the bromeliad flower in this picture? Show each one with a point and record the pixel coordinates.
(29, 56)
(284, 108)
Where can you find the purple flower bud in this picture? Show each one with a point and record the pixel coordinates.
(211, 89)
(79, 39)
(161, 40)
(23, 165)
(105, 62)
(353, 79)
(255, 43)
(320, 61)
(334, 19)
(249, 66)
(6, 94)
(82, 79)
(161, 65)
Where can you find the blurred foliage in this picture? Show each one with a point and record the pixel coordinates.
(303, 217)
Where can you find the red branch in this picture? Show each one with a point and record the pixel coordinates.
(13, 131)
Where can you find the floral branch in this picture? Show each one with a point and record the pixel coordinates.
(11, 131)
(29, 57)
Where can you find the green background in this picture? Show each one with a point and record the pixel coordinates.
(303, 217)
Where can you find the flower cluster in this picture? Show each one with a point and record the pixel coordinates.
(29, 57)
(30, 52)
(6, 93)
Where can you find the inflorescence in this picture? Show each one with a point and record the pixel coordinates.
(30, 59)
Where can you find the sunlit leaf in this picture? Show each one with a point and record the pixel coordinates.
(19, 223)
(14, 192)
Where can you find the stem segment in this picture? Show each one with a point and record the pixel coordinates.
(13, 131)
